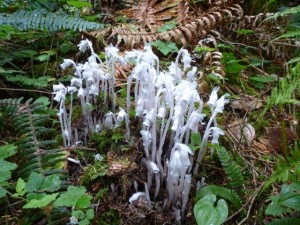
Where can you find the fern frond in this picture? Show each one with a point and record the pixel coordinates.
(290, 34)
(222, 192)
(43, 20)
(232, 169)
(284, 92)
(285, 221)
(36, 151)
(286, 12)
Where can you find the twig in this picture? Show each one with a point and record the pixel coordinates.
(26, 90)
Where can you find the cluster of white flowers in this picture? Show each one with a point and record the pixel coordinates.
(168, 104)
(90, 79)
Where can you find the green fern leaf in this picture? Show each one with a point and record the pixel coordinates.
(222, 192)
(44, 20)
(232, 169)
(285, 221)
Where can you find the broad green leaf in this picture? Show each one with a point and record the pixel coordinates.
(20, 188)
(90, 214)
(84, 201)
(51, 183)
(84, 222)
(167, 26)
(79, 4)
(78, 214)
(34, 182)
(7, 150)
(206, 213)
(165, 47)
(40, 203)
(2, 192)
(70, 197)
(5, 168)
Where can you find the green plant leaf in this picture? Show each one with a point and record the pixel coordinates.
(206, 213)
(85, 221)
(165, 47)
(167, 26)
(34, 182)
(40, 203)
(70, 197)
(79, 4)
(2, 192)
(5, 168)
(245, 31)
(84, 201)
(90, 214)
(7, 150)
(288, 198)
(20, 188)
(51, 183)
(78, 214)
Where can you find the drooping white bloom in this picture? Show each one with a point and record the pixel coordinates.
(195, 119)
(80, 92)
(67, 63)
(108, 121)
(59, 95)
(94, 90)
(58, 87)
(132, 55)
(186, 59)
(84, 44)
(140, 71)
(71, 89)
(136, 196)
(121, 115)
(148, 55)
(184, 151)
(161, 112)
(98, 128)
(191, 74)
(213, 97)
(221, 102)
(175, 164)
(216, 132)
(149, 118)
(154, 167)
(98, 157)
(76, 82)
(146, 136)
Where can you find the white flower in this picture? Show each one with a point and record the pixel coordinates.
(58, 87)
(136, 196)
(154, 167)
(121, 115)
(80, 92)
(194, 120)
(175, 164)
(73, 220)
(213, 97)
(149, 118)
(67, 63)
(94, 90)
(84, 44)
(221, 102)
(184, 151)
(98, 157)
(59, 95)
(76, 82)
(108, 120)
(98, 128)
(146, 136)
(148, 55)
(71, 89)
(111, 51)
(186, 59)
(132, 55)
(140, 71)
(191, 74)
(216, 132)
(161, 112)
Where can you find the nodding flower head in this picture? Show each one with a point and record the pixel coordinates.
(149, 118)
(136, 196)
(67, 63)
(60, 92)
(216, 132)
(175, 165)
(148, 55)
(121, 115)
(76, 82)
(112, 52)
(84, 44)
(154, 168)
(186, 59)
(146, 136)
(213, 97)
(221, 102)
(94, 90)
(195, 119)
(184, 151)
(108, 120)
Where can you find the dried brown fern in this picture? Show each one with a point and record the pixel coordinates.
(198, 27)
